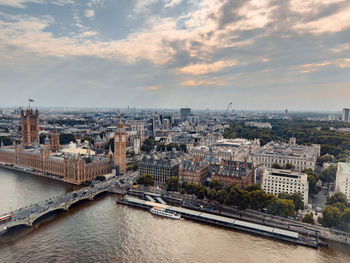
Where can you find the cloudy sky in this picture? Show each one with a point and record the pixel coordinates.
(257, 54)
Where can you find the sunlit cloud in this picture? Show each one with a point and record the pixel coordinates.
(204, 68)
(157, 87)
(196, 83)
(340, 63)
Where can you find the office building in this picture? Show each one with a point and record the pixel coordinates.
(275, 181)
(185, 113)
(342, 182)
(345, 115)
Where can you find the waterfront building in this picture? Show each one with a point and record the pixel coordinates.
(30, 127)
(161, 165)
(345, 115)
(193, 170)
(342, 182)
(302, 157)
(275, 181)
(233, 172)
(120, 148)
(72, 168)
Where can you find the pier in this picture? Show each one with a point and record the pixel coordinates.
(232, 223)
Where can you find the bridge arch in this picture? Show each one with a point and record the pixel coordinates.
(34, 219)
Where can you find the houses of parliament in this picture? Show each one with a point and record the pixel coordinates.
(50, 160)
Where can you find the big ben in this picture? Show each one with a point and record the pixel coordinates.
(120, 148)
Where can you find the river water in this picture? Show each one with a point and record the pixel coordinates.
(102, 231)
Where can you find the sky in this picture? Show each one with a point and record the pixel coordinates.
(257, 54)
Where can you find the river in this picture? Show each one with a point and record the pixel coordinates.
(102, 231)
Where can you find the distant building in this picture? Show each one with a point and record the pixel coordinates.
(120, 148)
(161, 166)
(30, 127)
(275, 181)
(342, 183)
(185, 113)
(345, 115)
(195, 171)
(233, 172)
(302, 157)
(261, 125)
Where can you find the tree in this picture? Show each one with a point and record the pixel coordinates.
(338, 197)
(145, 179)
(252, 187)
(277, 166)
(345, 218)
(296, 198)
(325, 159)
(289, 166)
(173, 183)
(215, 184)
(221, 195)
(328, 174)
(281, 207)
(257, 199)
(148, 144)
(309, 219)
(66, 138)
(331, 216)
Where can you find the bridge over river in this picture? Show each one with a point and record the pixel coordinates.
(27, 216)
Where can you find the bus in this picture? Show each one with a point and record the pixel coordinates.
(5, 218)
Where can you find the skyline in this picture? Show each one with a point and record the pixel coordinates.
(175, 53)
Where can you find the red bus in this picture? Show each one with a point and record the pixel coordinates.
(6, 218)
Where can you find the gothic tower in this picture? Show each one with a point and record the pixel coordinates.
(30, 127)
(55, 139)
(120, 148)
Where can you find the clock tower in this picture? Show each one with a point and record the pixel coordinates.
(120, 148)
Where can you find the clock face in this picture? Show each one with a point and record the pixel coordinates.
(117, 139)
(123, 139)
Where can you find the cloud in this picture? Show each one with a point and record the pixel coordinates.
(196, 83)
(19, 3)
(330, 24)
(312, 67)
(157, 87)
(171, 3)
(204, 68)
(90, 13)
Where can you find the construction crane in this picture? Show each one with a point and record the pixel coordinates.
(228, 109)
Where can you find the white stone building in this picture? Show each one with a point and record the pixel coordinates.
(342, 182)
(275, 181)
(227, 149)
(302, 157)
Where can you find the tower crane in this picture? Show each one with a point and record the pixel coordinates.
(228, 109)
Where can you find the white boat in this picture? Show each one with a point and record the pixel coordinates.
(163, 212)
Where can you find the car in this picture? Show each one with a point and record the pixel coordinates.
(75, 195)
(318, 209)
